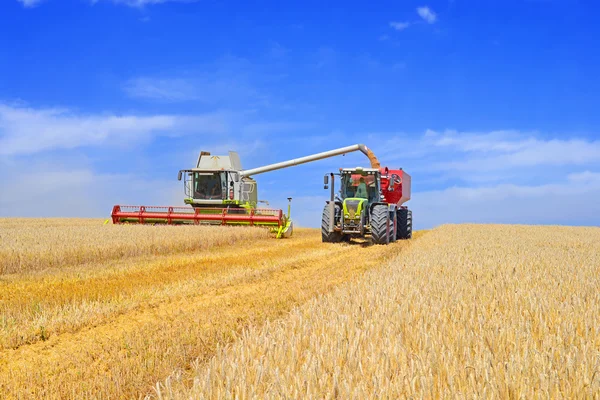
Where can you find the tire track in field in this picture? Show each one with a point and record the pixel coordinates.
(123, 356)
(121, 287)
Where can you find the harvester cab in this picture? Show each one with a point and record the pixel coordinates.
(369, 202)
(216, 182)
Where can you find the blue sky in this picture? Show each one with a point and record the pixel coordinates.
(491, 106)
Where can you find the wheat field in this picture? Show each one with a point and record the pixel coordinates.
(465, 311)
(28, 244)
(470, 311)
(81, 320)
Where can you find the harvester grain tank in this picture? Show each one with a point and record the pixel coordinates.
(221, 192)
(370, 202)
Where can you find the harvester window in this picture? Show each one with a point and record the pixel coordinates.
(207, 186)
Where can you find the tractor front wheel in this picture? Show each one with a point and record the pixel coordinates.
(381, 225)
(326, 236)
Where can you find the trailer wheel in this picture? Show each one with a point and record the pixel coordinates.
(381, 226)
(404, 224)
(326, 236)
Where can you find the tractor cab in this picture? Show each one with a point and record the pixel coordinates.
(360, 183)
(360, 187)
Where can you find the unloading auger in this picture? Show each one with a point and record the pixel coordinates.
(220, 192)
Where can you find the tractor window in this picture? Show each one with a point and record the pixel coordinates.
(208, 186)
(348, 189)
(360, 186)
(372, 192)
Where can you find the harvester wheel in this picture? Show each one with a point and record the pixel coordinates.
(381, 226)
(404, 224)
(329, 237)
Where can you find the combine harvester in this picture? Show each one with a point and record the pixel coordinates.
(220, 192)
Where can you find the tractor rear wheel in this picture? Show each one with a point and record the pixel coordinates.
(404, 225)
(381, 226)
(326, 236)
(393, 226)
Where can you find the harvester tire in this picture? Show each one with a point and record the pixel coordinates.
(326, 236)
(404, 225)
(381, 226)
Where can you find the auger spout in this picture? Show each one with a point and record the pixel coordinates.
(319, 156)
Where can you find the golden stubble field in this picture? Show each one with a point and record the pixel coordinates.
(464, 311)
(100, 311)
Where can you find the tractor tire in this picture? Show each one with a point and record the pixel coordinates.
(326, 236)
(380, 231)
(404, 224)
(393, 227)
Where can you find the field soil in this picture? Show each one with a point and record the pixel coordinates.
(80, 320)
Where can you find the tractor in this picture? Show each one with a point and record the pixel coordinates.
(369, 203)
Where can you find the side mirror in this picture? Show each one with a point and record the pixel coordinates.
(179, 176)
(236, 177)
(326, 187)
(326, 180)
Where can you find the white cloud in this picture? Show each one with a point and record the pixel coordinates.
(486, 155)
(585, 176)
(566, 201)
(143, 3)
(427, 14)
(261, 129)
(399, 26)
(31, 189)
(29, 131)
(29, 3)
(230, 80)
(162, 89)
(130, 3)
(501, 150)
(205, 88)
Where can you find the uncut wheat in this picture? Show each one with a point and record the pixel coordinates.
(31, 245)
(470, 311)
